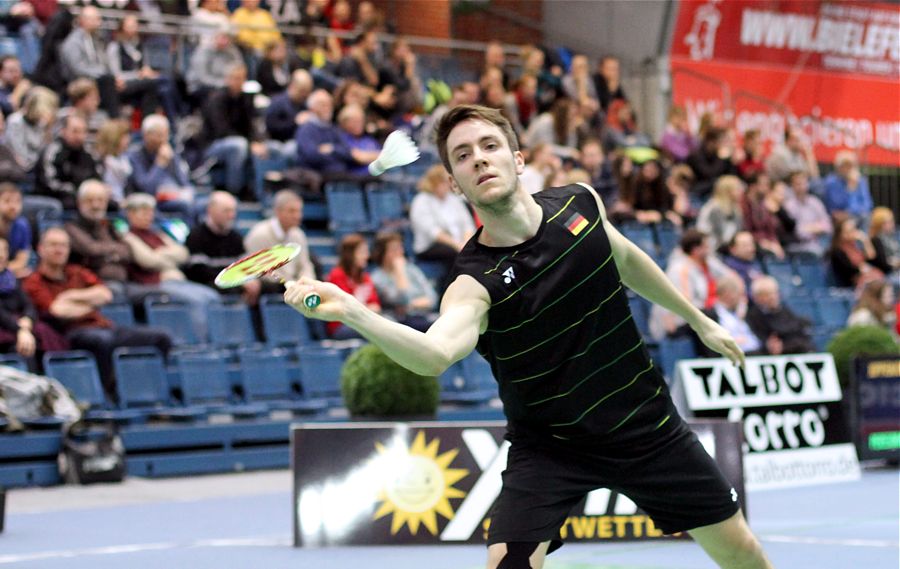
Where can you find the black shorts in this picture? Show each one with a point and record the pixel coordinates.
(671, 477)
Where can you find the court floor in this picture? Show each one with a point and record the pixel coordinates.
(243, 520)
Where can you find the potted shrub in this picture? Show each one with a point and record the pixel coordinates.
(857, 341)
(376, 387)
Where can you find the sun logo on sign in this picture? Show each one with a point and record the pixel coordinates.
(419, 485)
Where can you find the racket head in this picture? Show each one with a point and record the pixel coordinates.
(257, 265)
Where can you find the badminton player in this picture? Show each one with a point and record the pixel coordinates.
(540, 291)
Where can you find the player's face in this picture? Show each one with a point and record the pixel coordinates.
(484, 168)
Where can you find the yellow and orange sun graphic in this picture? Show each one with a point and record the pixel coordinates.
(420, 485)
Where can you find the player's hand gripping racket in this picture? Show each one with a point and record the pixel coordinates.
(260, 264)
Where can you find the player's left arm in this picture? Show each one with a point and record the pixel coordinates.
(641, 274)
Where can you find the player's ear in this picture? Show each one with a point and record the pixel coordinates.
(520, 161)
(453, 185)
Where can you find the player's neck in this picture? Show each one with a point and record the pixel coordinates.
(515, 222)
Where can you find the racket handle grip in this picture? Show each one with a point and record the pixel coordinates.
(312, 300)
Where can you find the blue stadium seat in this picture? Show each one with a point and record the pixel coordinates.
(142, 385)
(346, 207)
(783, 272)
(804, 306)
(469, 381)
(262, 167)
(265, 377)
(204, 380)
(13, 360)
(77, 371)
(811, 273)
(833, 311)
(282, 325)
(667, 237)
(821, 336)
(174, 318)
(641, 235)
(640, 309)
(320, 374)
(672, 351)
(230, 324)
(386, 207)
(119, 312)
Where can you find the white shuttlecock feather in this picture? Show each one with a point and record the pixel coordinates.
(399, 150)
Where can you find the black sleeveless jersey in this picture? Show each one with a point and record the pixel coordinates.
(561, 339)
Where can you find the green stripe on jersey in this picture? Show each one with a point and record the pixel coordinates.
(555, 215)
(636, 409)
(604, 398)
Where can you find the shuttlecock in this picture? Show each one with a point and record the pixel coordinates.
(399, 150)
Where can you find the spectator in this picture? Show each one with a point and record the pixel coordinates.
(277, 67)
(361, 63)
(155, 258)
(495, 58)
(13, 84)
(351, 276)
(648, 200)
(808, 212)
(320, 146)
(66, 163)
(578, 84)
(541, 163)
(210, 64)
(21, 331)
(847, 190)
(557, 127)
(462, 94)
(786, 228)
(882, 232)
(287, 111)
(208, 19)
(730, 310)
(10, 169)
(98, 246)
(138, 83)
(783, 331)
(607, 82)
(875, 306)
(30, 128)
(693, 270)
(792, 156)
(852, 254)
(256, 28)
(758, 216)
(399, 70)
(363, 147)
(521, 104)
(71, 295)
(710, 161)
(678, 182)
(549, 78)
(752, 162)
(15, 231)
(402, 287)
(722, 216)
(441, 222)
(214, 244)
(341, 16)
(84, 55)
(229, 131)
(314, 14)
(622, 129)
(594, 162)
(158, 172)
(741, 258)
(677, 141)
(284, 227)
(84, 99)
(112, 143)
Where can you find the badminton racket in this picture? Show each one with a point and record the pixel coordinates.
(260, 264)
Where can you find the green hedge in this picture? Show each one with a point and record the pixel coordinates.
(856, 341)
(373, 385)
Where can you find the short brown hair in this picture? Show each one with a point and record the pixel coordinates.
(467, 112)
(81, 88)
(8, 188)
(382, 240)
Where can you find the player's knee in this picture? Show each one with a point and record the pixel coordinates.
(514, 555)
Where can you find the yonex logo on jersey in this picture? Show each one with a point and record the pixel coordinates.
(508, 275)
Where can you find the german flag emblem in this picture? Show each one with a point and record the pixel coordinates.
(576, 223)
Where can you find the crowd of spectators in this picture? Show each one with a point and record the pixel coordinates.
(94, 131)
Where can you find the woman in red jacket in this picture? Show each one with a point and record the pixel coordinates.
(350, 275)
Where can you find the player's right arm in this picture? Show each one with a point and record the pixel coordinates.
(453, 335)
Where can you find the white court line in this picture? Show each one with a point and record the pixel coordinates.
(830, 541)
(140, 547)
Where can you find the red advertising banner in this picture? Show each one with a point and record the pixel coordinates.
(832, 69)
